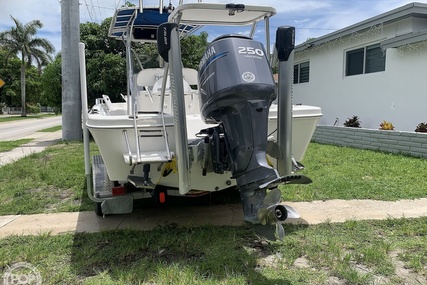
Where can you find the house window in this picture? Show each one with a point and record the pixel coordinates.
(365, 60)
(302, 72)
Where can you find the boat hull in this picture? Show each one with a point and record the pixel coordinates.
(304, 122)
(109, 133)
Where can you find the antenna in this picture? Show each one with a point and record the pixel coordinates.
(140, 6)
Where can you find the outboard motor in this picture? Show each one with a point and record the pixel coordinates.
(237, 89)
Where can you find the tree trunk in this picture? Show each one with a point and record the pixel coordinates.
(23, 103)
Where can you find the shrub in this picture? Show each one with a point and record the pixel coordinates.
(421, 128)
(386, 126)
(33, 109)
(353, 122)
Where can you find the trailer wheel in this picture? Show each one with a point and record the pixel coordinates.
(98, 210)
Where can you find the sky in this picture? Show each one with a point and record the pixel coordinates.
(311, 18)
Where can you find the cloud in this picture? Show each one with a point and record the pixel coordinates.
(313, 22)
(312, 18)
(49, 15)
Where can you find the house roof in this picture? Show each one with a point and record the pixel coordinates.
(409, 38)
(415, 9)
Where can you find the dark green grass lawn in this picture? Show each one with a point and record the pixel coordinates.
(348, 173)
(365, 252)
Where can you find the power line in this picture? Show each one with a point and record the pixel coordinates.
(318, 29)
(89, 12)
(99, 6)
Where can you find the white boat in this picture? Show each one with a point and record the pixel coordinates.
(181, 131)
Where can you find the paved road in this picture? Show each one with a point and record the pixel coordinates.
(25, 128)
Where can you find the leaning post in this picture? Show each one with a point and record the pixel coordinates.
(285, 44)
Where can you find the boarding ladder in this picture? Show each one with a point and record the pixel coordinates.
(151, 144)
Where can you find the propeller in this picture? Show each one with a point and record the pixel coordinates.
(272, 212)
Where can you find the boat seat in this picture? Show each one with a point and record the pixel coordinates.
(152, 80)
(157, 87)
(107, 102)
(191, 76)
(114, 108)
(148, 77)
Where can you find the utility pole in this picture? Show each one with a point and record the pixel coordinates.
(71, 103)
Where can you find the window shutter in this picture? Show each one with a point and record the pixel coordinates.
(296, 74)
(304, 72)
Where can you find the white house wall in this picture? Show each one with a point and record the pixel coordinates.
(419, 24)
(397, 95)
(400, 28)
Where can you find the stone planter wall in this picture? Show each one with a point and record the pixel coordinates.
(408, 143)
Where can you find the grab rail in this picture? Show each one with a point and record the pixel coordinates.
(162, 103)
(135, 127)
(128, 146)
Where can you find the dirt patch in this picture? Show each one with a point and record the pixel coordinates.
(55, 198)
(364, 270)
(408, 277)
(332, 280)
(45, 158)
(170, 255)
(302, 262)
(266, 258)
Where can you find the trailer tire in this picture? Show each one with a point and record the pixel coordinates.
(98, 210)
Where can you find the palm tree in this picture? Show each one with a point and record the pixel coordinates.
(22, 40)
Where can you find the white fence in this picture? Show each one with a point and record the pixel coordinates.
(17, 110)
(11, 110)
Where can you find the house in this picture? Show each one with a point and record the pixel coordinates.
(375, 69)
